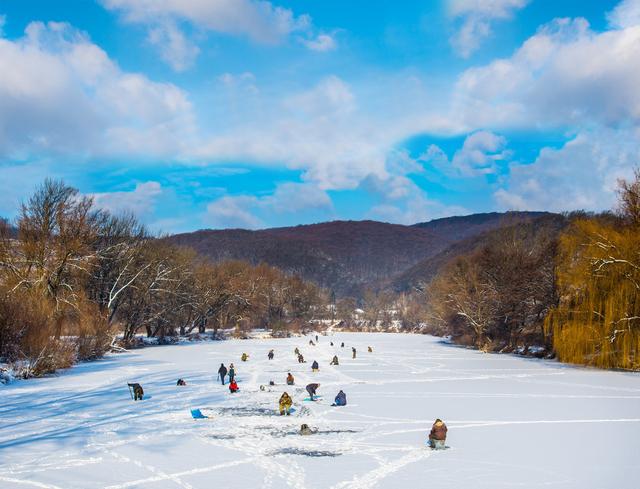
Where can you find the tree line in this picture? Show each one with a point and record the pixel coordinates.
(74, 278)
(568, 285)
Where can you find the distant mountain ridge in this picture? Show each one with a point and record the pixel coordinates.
(345, 256)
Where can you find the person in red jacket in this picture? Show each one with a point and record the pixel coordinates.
(233, 386)
(438, 435)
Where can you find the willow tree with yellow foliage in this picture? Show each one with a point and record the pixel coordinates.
(597, 321)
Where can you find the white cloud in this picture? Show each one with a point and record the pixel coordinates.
(60, 93)
(475, 18)
(140, 201)
(233, 212)
(174, 47)
(582, 174)
(625, 14)
(564, 75)
(259, 20)
(481, 153)
(242, 211)
(321, 43)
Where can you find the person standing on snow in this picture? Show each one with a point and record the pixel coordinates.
(222, 372)
(438, 435)
(270, 355)
(315, 367)
(232, 372)
(353, 351)
(311, 389)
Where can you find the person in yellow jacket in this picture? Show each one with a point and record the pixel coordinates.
(244, 357)
(285, 404)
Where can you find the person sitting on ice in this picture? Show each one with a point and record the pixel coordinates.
(341, 399)
(244, 357)
(233, 387)
(311, 389)
(306, 430)
(300, 358)
(270, 355)
(335, 360)
(331, 343)
(315, 367)
(290, 379)
(285, 404)
(369, 349)
(312, 343)
(181, 382)
(438, 435)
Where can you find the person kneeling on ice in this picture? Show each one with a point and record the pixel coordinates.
(335, 360)
(311, 389)
(285, 404)
(438, 435)
(341, 399)
(315, 367)
(233, 387)
(290, 379)
(306, 430)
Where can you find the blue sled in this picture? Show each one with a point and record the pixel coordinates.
(197, 414)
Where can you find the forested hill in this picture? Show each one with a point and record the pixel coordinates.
(345, 256)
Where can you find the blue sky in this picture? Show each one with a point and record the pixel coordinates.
(246, 113)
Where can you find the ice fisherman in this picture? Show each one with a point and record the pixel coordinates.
(285, 404)
(315, 367)
(270, 355)
(181, 382)
(335, 360)
(306, 430)
(311, 389)
(438, 435)
(232, 372)
(369, 349)
(222, 372)
(300, 358)
(233, 387)
(341, 399)
(244, 357)
(353, 351)
(290, 379)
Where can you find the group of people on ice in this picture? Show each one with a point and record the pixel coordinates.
(437, 435)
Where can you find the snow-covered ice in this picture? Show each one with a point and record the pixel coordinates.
(513, 422)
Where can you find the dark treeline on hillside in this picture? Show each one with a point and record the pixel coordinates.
(570, 284)
(73, 277)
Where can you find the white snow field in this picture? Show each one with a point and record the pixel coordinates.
(513, 422)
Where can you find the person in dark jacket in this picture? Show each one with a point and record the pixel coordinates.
(300, 358)
(369, 349)
(316, 338)
(335, 360)
(341, 399)
(232, 372)
(181, 382)
(342, 345)
(438, 435)
(270, 355)
(353, 351)
(290, 379)
(312, 343)
(233, 387)
(315, 367)
(222, 372)
(332, 343)
(311, 389)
